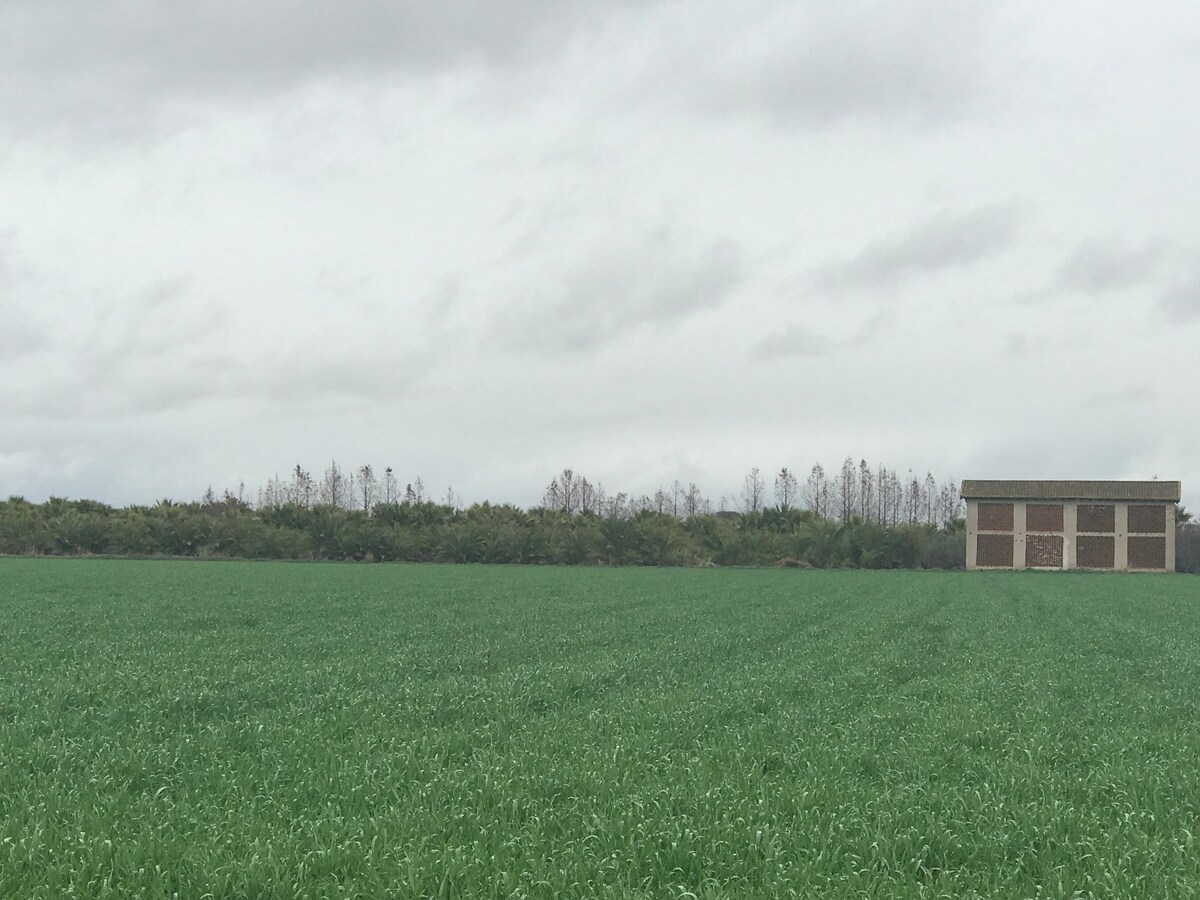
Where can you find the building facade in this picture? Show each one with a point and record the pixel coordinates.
(1114, 525)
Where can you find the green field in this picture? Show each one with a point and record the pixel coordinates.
(279, 730)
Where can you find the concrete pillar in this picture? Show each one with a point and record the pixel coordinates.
(1070, 534)
(1169, 510)
(1121, 538)
(972, 533)
(1019, 534)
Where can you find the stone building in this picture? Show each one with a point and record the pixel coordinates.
(1118, 525)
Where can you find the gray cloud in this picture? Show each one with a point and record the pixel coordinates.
(116, 64)
(1133, 395)
(118, 67)
(1016, 344)
(144, 382)
(1027, 344)
(946, 241)
(1181, 301)
(307, 378)
(21, 332)
(19, 335)
(1107, 264)
(654, 280)
(801, 340)
(169, 348)
(815, 64)
(796, 340)
(8, 261)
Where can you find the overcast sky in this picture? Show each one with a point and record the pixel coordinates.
(481, 240)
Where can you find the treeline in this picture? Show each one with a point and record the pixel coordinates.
(483, 533)
(859, 491)
(863, 517)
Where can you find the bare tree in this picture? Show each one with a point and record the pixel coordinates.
(912, 499)
(883, 492)
(367, 488)
(754, 489)
(866, 491)
(552, 496)
(897, 493)
(816, 492)
(414, 493)
(847, 488)
(587, 495)
(883, 495)
(949, 503)
(599, 500)
(929, 500)
(303, 489)
(566, 492)
(234, 501)
(391, 487)
(335, 487)
(617, 507)
(787, 489)
(692, 501)
(274, 495)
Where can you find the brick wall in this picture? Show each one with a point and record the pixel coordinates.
(994, 550)
(1096, 518)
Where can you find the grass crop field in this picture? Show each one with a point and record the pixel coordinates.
(280, 730)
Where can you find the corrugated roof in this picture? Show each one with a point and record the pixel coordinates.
(1161, 491)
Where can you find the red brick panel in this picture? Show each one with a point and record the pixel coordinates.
(1148, 520)
(994, 550)
(1044, 551)
(1147, 553)
(1096, 518)
(995, 517)
(1044, 517)
(1095, 552)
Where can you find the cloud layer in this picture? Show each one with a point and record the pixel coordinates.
(478, 241)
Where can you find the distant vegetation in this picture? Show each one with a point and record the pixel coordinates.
(863, 518)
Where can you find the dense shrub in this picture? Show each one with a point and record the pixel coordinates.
(1187, 548)
(413, 532)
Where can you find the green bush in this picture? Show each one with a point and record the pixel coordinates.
(482, 534)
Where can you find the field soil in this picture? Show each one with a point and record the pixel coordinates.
(322, 730)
